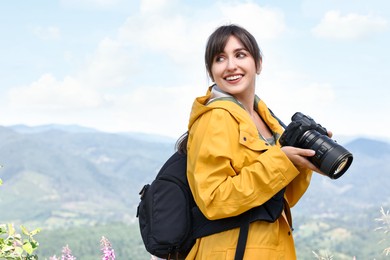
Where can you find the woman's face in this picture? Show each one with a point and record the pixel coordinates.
(234, 70)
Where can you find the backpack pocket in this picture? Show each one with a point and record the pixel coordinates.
(166, 221)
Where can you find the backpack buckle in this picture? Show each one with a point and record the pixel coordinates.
(143, 191)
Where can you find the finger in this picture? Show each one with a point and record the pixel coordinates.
(305, 152)
(311, 166)
(314, 168)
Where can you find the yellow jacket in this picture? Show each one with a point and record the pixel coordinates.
(231, 170)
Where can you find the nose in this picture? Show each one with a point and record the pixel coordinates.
(231, 64)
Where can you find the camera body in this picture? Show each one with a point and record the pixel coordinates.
(330, 157)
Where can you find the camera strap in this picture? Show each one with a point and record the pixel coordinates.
(277, 118)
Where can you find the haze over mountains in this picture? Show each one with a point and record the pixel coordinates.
(69, 175)
(65, 176)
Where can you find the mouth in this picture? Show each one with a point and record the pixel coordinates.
(234, 77)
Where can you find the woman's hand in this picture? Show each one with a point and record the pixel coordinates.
(298, 157)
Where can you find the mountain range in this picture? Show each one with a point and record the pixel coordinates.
(60, 176)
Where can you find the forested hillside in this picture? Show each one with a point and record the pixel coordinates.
(60, 178)
(78, 184)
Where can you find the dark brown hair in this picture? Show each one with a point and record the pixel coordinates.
(181, 143)
(218, 39)
(215, 45)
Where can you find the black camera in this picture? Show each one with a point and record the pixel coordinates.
(330, 157)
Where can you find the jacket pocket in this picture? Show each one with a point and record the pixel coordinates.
(252, 142)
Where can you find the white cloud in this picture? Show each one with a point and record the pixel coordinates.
(47, 33)
(351, 26)
(179, 36)
(317, 94)
(263, 22)
(90, 3)
(173, 36)
(144, 75)
(49, 94)
(154, 109)
(111, 66)
(149, 6)
(182, 35)
(113, 81)
(289, 91)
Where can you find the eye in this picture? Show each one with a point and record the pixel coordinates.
(241, 55)
(219, 58)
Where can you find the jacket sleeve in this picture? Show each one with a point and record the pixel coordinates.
(298, 187)
(226, 178)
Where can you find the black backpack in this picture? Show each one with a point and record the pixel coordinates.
(170, 221)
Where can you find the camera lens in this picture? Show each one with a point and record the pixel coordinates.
(330, 157)
(341, 166)
(337, 162)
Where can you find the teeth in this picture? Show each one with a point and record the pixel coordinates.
(233, 77)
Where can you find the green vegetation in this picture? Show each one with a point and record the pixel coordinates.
(78, 187)
(384, 226)
(84, 241)
(337, 239)
(342, 238)
(17, 246)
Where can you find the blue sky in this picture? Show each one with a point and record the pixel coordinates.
(136, 66)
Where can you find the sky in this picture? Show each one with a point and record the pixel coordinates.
(137, 66)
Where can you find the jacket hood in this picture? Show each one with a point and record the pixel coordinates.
(199, 107)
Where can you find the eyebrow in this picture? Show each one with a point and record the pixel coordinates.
(236, 50)
(240, 49)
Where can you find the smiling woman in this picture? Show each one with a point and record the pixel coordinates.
(235, 162)
(234, 70)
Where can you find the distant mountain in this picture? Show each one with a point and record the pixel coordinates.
(24, 129)
(365, 184)
(150, 137)
(64, 177)
(370, 147)
(69, 175)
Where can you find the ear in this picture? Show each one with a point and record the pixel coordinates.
(260, 66)
(209, 73)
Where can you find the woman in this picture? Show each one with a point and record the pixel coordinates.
(235, 161)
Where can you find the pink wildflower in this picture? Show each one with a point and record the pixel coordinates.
(107, 250)
(67, 253)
